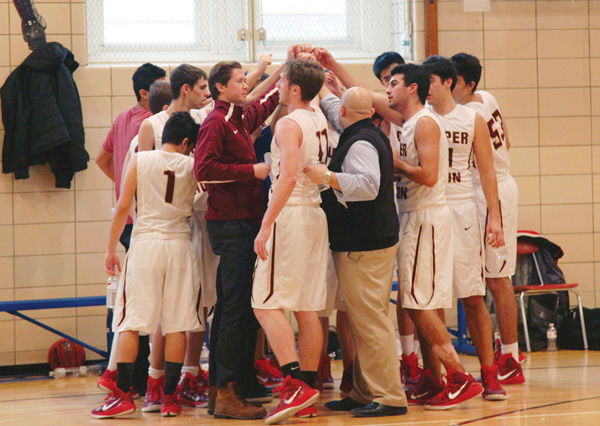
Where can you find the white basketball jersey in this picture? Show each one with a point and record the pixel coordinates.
(395, 136)
(492, 115)
(159, 120)
(313, 149)
(165, 192)
(412, 195)
(460, 132)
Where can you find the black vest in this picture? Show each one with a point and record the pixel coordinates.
(363, 225)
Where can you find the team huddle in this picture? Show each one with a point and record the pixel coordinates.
(363, 184)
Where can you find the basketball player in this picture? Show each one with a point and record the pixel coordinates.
(425, 261)
(160, 274)
(111, 160)
(292, 241)
(468, 143)
(499, 266)
(189, 89)
(159, 99)
(409, 368)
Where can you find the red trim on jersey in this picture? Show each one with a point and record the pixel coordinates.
(502, 227)
(414, 271)
(272, 278)
(433, 263)
(124, 272)
(198, 303)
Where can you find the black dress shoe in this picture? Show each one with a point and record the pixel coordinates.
(375, 409)
(345, 404)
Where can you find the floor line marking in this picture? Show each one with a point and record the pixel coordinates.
(492, 416)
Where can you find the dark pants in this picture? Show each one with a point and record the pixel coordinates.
(125, 238)
(234, 326)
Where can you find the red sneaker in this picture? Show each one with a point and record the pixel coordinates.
(460, 388)
(347, 383)
(509, 370)
(202, 381)
(267, 374)
(492, 389)
(107, 381)
(187, 392)
(409, 369)
(117, 403)
(498, 352)
(426, 388)
(308, 412)
(154, 394)
(295, 395)
(324, 372)
(169, 406)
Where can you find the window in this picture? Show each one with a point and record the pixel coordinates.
(126, 31)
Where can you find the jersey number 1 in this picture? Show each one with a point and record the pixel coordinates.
(170, 186)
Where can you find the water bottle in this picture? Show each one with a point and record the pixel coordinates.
(551, 337)
(204, 354)
(111, 291)
(91, 370)
(61, 373)
(501, 253)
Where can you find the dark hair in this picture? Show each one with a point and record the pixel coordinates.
(468, 67)
(376, 117)
(221, 73)
(307, 75)
(385, 60)
(185, 74)
(179, 126)
(416, 74)
(442, 67)
(144, 76)
(160, 95)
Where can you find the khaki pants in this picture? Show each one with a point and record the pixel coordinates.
(366, 283)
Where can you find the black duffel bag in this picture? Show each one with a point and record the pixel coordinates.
(569, 333)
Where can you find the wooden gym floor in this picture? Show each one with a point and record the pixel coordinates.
(561, 389)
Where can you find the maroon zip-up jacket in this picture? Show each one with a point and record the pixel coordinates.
(224, 156)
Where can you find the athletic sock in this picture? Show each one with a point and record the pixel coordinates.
(155, 373)
(512, 349)
(416, 346)
(191, 370)
(124, 375)
(172, 373)
(309, 378)
(293, 370)
(407, 344)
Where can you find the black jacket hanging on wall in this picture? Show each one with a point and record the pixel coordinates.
(41, 112)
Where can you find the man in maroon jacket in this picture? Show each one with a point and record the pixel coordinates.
(225, 159)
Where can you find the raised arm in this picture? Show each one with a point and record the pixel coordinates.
(256, 73)
(380, 101)
(485, 164)
(427, 142)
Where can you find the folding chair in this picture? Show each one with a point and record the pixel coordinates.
(530, 246)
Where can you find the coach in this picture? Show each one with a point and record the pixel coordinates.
(363, 235)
